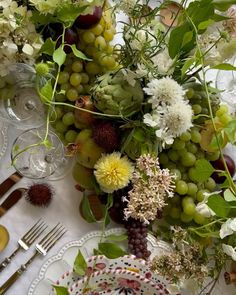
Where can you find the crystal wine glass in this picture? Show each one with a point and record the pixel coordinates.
(20, 104)
(33, 159)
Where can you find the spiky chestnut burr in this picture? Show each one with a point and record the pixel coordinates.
(106, 135)
(39, 194)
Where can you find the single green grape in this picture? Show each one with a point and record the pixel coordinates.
(196, 109)
(191, 147)
(188, 159)
(199, 219)
(100, 43)
(181, 187)
(72, 94)
(92, 68)
(108, 35)
(75, 79)
(178, 144)
(201, 194)
(84, 78)
(77, 66)
(63, 77)
(189, 208)
(195, 136)
(60, 126)
(88, 37)
(186, 136)
(173, 155)
(177, 174)
(97, 30)
(210, 184)
(187, 200)
(70, 136)
(192, 188)
(222, 110)
(68, 119)
(225, 119)
(213, 156)
(186, 218)
(80, 89)
(176, 199)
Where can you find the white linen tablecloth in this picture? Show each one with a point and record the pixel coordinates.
(64, 208)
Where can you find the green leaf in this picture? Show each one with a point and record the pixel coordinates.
(205, 24)
(111, 250)
(229, 196)
(86, 210)
(230, 131)
(79, 53)
(68, 13)
(223, 4)
(59, 56)
(176, 40)
(188, 63)
(42, 19)
(219, 205)
(48, 47)
(117, 238)
(80, 265)
(61, 290)
(202, 170)
(46, 92)
(217, 139)
(188, 36)
(225, 67)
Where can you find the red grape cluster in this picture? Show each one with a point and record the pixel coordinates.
(137, 238)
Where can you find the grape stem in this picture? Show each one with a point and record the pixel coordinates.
(209, 104)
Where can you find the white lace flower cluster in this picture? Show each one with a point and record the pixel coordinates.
(171, 114)
(19, 41)
(151, 187)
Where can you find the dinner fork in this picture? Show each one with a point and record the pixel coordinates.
(26, 241)
(42, 248)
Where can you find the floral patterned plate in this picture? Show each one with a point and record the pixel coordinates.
(128, 262)
(116, 282)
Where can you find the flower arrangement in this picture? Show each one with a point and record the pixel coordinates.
(146, 126)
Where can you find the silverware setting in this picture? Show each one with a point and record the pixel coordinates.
(26, 241)
(41, 248)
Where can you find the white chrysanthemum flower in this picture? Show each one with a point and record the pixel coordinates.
(229, 250)
(152, 119)
(164, 91)
(177, 118)
(164, 63)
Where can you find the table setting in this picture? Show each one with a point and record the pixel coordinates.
(117, 147)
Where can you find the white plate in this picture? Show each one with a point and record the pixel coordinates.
(57, 265)
(3, 138)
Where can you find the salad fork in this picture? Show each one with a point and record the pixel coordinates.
(26, 241)
(42, 248)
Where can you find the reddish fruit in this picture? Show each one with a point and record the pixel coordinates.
(84, 117)
(70, 38)
(89, 20)
(106, 135)
(219, 165)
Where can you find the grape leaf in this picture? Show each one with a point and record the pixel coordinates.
(86, 210)
(117, 238)
(46, 92)
(79, 53)
(69, 12)
(59, 56)
(111, 250)
(61, 290)
(48, 47)
(224, 67)
(80, 264)
(229, 196)
(219, 205)
(202, 170)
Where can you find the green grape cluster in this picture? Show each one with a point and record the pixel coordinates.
(198, 99)
(77, 76)
(180, 158)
